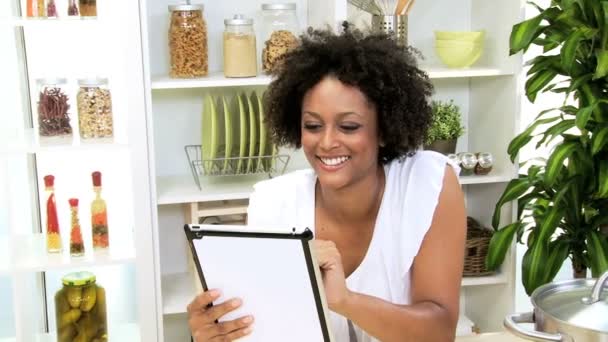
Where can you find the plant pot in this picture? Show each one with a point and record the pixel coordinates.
(571, 310)
(442, 146)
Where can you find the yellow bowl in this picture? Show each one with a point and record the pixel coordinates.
(475, 36)
(459, 57)
(457, 44)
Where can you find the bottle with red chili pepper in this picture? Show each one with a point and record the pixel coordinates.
(76, 243)
(53, 237)
(99, 216)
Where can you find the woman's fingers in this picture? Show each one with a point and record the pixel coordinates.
(203, 300)
(210, 315)
(224, 331)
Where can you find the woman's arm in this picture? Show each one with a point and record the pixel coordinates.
(436, 275)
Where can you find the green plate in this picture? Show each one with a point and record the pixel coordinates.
(270, 149)
(243, 141)
(210, 136)
(253, 136)
(228, 133)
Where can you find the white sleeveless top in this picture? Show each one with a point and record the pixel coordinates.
(406, 211)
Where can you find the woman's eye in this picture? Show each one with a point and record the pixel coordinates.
(350, 128)
(312, 126)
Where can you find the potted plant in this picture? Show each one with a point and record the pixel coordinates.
(562, 200)
(445, 127)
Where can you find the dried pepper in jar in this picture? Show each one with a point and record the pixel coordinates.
(73, 8)
(53, 107)
(51, 9)
(99, 216)
(53, 237)
(76, 243)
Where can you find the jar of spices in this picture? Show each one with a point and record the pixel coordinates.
(485, 161)
(88, 8)
(280, 29)
(80, 309)
(239, 47)
(188, 42)
(94, 108)
(468, 161)
(53, 107)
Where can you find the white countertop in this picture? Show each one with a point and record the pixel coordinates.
(491, 337)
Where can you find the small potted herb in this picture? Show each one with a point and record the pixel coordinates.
(445, 127)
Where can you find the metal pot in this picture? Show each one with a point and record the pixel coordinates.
(569, 311)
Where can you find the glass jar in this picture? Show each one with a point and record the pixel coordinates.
(280, 29)
(88, 8)
(76, 242)
(73, 8)
(188, 42)
(239, 47)
(94, 109)
(53, 107)
(485, 162)
(51, 9)
(99, 216)
(468, 161)
(53, 235)
(80, 309)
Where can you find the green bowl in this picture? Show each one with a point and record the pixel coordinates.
(459, 57)
(474, 36)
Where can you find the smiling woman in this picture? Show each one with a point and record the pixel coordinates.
(389, 220)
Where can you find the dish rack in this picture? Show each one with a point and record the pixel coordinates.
(234, 166)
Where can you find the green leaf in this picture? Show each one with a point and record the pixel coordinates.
(555, 131)
(570, 48)
(556, 160)
(578, 82)
(524, 201)
(499, 245)
(533, 265)
(524, 137)
(584, 114)
(599, 140)
(537, 82)
(597, 248)
(602, 179)
(514, 189)
(550, 222)
(558, 252)
(524, 33)
(602, 64)
(605, 30)
(542, 62)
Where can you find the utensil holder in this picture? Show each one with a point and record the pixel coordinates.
(392, 24)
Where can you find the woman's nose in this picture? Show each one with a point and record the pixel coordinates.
(329, 139)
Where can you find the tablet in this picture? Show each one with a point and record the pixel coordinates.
(274, 273)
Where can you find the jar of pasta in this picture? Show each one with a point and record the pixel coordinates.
(94, 109)
(188, 42)
(280, 29)
(53, 108)
(239, 47)
(80, 309)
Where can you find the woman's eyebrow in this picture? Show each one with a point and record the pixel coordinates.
(340, 115)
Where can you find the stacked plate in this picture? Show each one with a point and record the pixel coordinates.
(235, 138)
(459, 49)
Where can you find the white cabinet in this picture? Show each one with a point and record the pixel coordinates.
(488, 94)
(108, 46)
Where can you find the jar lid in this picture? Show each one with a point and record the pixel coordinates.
(238, 19)
(95, 81)
(78, 278)
(284, 6)
(73, 202)
(197, 7)
(51, 80)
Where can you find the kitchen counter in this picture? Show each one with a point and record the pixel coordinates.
(491, 337)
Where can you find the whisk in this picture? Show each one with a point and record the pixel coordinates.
(369, 6)
(383, 7)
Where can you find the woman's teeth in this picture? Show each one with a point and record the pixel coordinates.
(334, 161)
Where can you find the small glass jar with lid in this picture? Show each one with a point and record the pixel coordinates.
(468, 161)
(94, 108)
(80, 309)
(188, 42)
(279, 32)
(485, 162)
(239, 47)
(53, 108)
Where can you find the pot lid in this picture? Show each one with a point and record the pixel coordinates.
(580, 302)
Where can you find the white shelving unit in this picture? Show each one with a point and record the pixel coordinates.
(488, 94)
(107, 46)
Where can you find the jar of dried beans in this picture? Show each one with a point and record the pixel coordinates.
(94, 109)
(279, 31)
(53, 108)
(188, 41)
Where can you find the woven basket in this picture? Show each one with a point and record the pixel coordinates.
(478, 240)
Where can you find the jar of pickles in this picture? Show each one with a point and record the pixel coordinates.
(279, 32)
(80, 309)
(53, 108)
(239, 47)
(188, 42)
(94, 109)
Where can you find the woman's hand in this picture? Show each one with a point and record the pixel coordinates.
(202, 318)
(334, 281)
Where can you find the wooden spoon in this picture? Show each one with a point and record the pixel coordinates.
(400, 6)
(409, 7)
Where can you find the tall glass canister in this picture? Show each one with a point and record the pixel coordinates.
(279, 33)
(188, 42)
(94, 109)
(53, 108)
(239, 47)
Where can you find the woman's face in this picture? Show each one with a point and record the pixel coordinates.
(339, 133)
